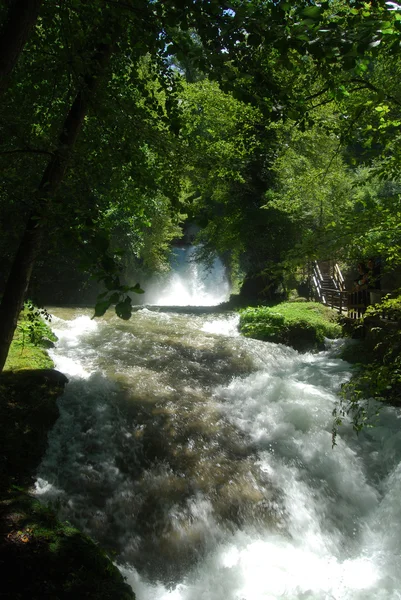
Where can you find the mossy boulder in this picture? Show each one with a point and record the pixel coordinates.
(301, 325)
(43, 558)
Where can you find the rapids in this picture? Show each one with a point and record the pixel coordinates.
(203, 460)
(189, 282)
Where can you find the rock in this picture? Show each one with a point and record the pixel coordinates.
(48, 375)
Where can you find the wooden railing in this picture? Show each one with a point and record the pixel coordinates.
(352, 304)
(338, 278)
(317, 280)
(338, 300)
(357, 303)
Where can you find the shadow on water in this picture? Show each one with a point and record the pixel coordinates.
(159, 483)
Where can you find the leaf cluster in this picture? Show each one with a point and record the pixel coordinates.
(379, 376)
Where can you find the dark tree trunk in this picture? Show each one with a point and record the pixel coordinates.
(30, 245)
(21, 17)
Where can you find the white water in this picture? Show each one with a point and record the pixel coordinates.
(189, 283)
(204, 460)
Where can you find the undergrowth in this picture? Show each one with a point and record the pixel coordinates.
(377, 364)
(31, 338)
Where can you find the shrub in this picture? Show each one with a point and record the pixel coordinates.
(378, 373)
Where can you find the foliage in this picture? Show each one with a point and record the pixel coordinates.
(388, 308)
(230, 149)
(122, 302)
(124, 147)
(31, 337)
(302, 325)
(312, 190)
(330, 71)
(38, 329)
(378, 370)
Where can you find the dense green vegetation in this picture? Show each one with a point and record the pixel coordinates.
(302, 325)
(376, 354)
(31, 338)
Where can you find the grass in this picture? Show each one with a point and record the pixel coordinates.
(302, 325)
(28, 348)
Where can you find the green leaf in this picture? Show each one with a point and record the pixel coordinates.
(293, 114)
(124, 309)
(111, 283)
(312, 12)
(100, 308)
(114, 298)
(137, 289)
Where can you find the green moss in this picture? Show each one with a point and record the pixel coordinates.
(302, 325)
(43, 558)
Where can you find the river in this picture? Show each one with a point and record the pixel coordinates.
(203, 461)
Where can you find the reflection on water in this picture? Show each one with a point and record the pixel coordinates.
(204, 461)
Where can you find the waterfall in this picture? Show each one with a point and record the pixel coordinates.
(190, 283)
(203, 461)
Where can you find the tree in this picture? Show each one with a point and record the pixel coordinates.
(229, 158)
(344, 57)
(88, 38)
(20, 18)
(30, 245)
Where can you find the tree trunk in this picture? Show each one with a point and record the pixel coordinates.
(21, 17)
(21, 270)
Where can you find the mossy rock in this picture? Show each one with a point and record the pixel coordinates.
(43, 558)
(28, 410)
(301, 325)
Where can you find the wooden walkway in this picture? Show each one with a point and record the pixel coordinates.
(329, 287)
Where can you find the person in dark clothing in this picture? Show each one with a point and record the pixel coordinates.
(373, 274)
(361, 282)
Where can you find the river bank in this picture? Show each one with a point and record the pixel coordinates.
(40, 556)
(302, 325)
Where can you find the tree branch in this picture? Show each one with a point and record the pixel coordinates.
(373, 88)
(27, 151)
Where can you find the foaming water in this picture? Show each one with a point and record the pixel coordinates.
(204, 461)
(189, 283)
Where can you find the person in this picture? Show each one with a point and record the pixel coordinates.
(361, 282)
(373, 274)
